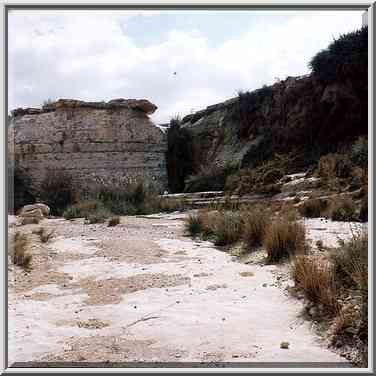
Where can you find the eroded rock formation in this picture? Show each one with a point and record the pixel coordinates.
(95, 142)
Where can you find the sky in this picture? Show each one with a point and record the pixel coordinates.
(182, 61)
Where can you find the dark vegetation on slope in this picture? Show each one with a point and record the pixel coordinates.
(301, 118)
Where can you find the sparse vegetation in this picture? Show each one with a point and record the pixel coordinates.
(114, 221)
(350, 261)
(255, 223)
(21, 255)
(344, 209)
(316, 279)
(193, 224)
(210, 178)
(314, 208)
(346, 57)
(227, 228)
(284, 239)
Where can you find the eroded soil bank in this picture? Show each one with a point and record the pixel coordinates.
(144, 292)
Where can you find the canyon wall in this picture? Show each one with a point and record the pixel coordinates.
(95, 142)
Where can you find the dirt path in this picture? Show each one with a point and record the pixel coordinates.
(142, 291)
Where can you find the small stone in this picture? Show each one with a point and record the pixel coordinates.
(264, 285)
(285, 345)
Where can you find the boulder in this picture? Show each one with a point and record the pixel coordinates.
(33, 213)
(301, 184)
(45, 209)
(29, 221)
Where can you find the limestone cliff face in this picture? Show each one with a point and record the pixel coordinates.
(95, 142)
(299, 113)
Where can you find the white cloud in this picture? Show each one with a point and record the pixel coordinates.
(90, 57)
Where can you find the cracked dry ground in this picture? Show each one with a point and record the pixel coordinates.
(143, 292)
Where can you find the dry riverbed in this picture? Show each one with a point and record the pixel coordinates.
(144, 292)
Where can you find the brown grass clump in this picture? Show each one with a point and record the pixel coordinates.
(21, 256)
(114, 221)
(284, 239)
(315, 277)
(255, 223)
(314, 208)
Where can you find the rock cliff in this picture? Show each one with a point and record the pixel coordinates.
(297, 114)
(95, 142)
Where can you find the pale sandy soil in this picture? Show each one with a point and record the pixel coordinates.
(142, 291)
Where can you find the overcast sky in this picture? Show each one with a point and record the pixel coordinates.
(95, 56)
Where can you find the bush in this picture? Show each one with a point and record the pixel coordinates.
(114, 221)
(272, 176)
(193, 224)
(335, 165)
(20, 251)
(350, 261)
(344, 210)
(284, 239)
(345, 58)
(133, 198)
(57, 191)
(314, 208)
(98, 216)
(315, 277)
(227, 228)
(255, 223)
(81, 209)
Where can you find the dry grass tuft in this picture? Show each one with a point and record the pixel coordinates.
(314, 208)
(255, 223)
(284, 239)
(113, 221)
(21, 255)
(315, 277)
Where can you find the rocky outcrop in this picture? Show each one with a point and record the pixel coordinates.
(297, 114)
(95, 142)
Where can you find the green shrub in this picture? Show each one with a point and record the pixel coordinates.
(81, 209)
(344, 210)
(227, 228)
(57, 191)
(345, 58)
(284, 239)
(193, 224)
(350, 261)
(272, 176)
